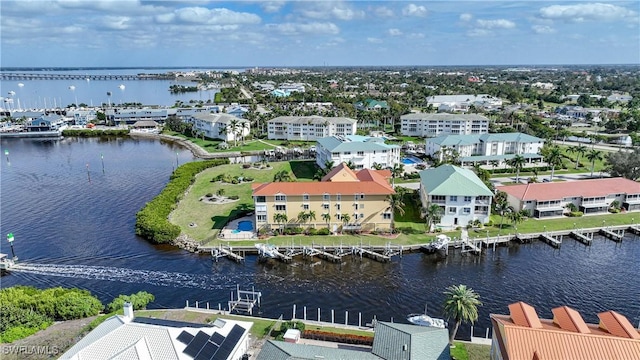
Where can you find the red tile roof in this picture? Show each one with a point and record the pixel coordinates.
(580, 188)
(556, 340)
(340, 173)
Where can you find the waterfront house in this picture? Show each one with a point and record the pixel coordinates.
(220, 126)
(363, 151)
(129, 337)
(593, 196)
(430, 125)
(483, 148)
(392, 341)
(361, 195)
(462, 196)
(46, 123)
(309, 128)
(523, 335)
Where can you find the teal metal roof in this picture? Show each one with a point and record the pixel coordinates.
(449, 140)
(452, 180)
(410, 342)
(354, 143)
(509, 137)
(498, 157)
(279, 350)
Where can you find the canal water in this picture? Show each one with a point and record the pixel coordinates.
(74, 226)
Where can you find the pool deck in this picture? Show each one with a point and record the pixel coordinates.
(227, 232)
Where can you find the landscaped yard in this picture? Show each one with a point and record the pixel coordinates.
(212, 145)
(468, 351)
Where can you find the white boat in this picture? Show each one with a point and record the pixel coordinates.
(5, 262)
(267, 250)
(426, 320)
(440, 243)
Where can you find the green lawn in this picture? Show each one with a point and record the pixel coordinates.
(211, 145)
(468, 351)
(335, 330)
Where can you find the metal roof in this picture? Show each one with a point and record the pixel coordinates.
(280, 350)
(443, 117)
(470, 139)
(314, 119)
(354, 143)
(452, 180)
(406, 342)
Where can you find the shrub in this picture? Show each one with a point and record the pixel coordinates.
(323, 231)
(234, 197)
(151, 221)
(293, 230)
(248, 179)
(246, 166)
(95, 133)
(312, 231)
(139, 301)
(340, 338)
(575, 214)
(234, 181)
(209, 195)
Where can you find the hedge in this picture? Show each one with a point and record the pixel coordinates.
(152, 221)
(95, 133)
(339, 338)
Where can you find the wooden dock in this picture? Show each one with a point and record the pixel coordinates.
(222, 251)
(551, 240)
(616, 235)
(580, 236)
(470, 246)
(634, 229)
(321, 253)
(360, 251)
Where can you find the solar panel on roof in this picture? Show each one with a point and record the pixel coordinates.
(217, 339)
(185, 337)
(197, 344)
(207, 351)
(229, 343)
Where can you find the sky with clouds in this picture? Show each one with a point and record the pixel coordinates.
(312, 33)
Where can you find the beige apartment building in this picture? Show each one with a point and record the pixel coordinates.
(342, 200)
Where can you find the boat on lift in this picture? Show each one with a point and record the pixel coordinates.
(426, 320)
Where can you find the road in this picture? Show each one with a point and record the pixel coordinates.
(595, 146)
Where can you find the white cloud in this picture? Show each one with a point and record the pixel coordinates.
(543, 29)
(374, 40)
(583, 12)
(383, 11)
(478, 32)
(200, 15)
(116, 22)
(272, 6)
(414, 10)
(416, 35)
(306, 28)
(165, 18)
(330, 10)
(466, 17)
(496, 24)
(394, 32)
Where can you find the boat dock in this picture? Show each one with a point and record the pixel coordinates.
(552, 240)
(227, 252)
(635, 229)
(585, 238)
(245, 300)
(312, 251)
(615, 235)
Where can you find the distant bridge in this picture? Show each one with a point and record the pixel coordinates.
(50, 76)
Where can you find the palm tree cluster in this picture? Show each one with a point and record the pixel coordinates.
(280, 218)
(432, 214)
(282, 176)
(304, 216)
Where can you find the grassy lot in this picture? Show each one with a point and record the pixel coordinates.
(565, 223)
(468, 351)
(211, 145)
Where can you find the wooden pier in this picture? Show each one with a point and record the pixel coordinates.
(222, 251)
(245, 301)
(615, 235)
(551, 240)
(580, 236)
(634, 229)
(470, 246)
(321, 253)
(361, 251)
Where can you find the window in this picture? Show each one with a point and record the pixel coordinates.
(281, 207)
(467, 198)
(360, 153)
(361, 216)
(326, 197)
(338, 207)
(386, 216)
(466, 210)
(281, 198)
(453, 198)
(305, 207)
(261, 218)
(325, 206)
(338, 216)
(338, 197)
(452, 210)
(261, 199)
(305, 197)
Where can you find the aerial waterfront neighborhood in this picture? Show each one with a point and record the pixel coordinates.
(273, 180)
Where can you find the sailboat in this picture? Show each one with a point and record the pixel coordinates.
(426, 320)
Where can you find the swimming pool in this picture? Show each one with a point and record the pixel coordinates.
(245, 225)
(411, 160)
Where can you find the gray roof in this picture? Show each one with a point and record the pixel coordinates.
(219, 117)
(354, 143)
(280, 350)
(443, 116)
(312, 119)
(498, 157)
(145, 123)
(460, 98)
(452, 180)
(401, 341)
(449, 140)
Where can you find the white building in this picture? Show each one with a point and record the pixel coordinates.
(363, 151)
(309, 128)
(128, 337)
(130, 116)
(462, 196)
(482, 148)
(220, 126)
(430, 125)
(462, 103)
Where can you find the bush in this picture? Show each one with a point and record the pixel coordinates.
(234, 197)
(95, 133)
(139, 301)
(209, 195)
(312, 231)
(152, 220)
(340, 338)
(293, 230)
(323, 231)
(246, 166)
(248, 179)
(234, 181)
(575, 214)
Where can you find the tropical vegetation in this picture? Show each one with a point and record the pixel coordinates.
(460, 304)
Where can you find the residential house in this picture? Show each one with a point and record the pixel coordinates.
(482, 148)
(523, 335)
(592, 196)
(363, 151)
(391, 341)
(309, 128)
(82, 116)
(220, 126)
(462, 196)
(371, 104)
(237, 111)
(462, 102)
(361, 195)
(430, 125)
(130, 337)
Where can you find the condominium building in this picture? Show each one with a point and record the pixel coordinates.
(220, 126)
(342, 199)
(123, 116)
(523, 335)
(462, 196)
(482, 148)
(363, 151)
(430, 125)
(309, 128)
(592, 196)
(462, 102)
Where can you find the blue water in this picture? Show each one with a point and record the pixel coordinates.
(408, 161)
(245, 226)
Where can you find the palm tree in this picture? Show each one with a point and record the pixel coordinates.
(351, 165)
(311, 216)
(243, 126)
(594, 155)
(396, 171)
(579, 150)
(326, 217)
(328, 165)
(461, 303)
(516, 217)
(280, 218)
(502, 208)
(553, 157)
(517, 163)
(282, 176)
(395, 204)
(377, 166)
(302, 217)
(494, 164)
(432, 215)
(233, 125)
